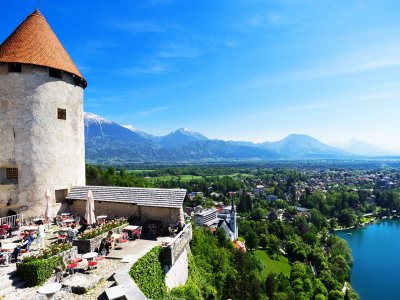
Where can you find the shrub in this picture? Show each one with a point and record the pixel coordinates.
(148, 274)
(37, 271)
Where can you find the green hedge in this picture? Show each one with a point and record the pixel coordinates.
(36, 272)
(148, 274)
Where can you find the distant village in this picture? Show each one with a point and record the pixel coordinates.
(224, 216)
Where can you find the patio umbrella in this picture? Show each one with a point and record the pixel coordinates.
(89, 214)
(49, 206)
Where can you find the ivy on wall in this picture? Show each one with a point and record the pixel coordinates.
(148, 274)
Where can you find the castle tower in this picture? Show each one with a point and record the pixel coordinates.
(41, 119)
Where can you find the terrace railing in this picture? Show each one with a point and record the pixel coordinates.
(10, 220)
(175, 248)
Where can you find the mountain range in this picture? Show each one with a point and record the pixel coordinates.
(110, 143)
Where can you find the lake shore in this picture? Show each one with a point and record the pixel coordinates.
(373, 275)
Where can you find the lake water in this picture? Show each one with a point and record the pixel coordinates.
(376, 253)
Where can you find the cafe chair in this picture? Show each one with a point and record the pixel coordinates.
(172, 231)
(3, 233)
(153, 230)
(92, 265)
(123, 242)
(61, 238)
(100, 258)
(71, 268)
(138, 233)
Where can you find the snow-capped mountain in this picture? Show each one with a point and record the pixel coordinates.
(108, 142)
(142, 133)
(130, 127)
(90, 118)
(181, 137)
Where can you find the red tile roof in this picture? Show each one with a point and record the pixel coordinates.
(35, 43)
(241, 247)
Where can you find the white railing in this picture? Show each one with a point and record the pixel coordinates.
(10, 220)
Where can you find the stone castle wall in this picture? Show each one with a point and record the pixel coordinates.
(179, 272)
(117, 209)
(109, 209)
(49, 153)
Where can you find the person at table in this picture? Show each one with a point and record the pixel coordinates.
(72, 232)
(16, 227)
(26, 243)
(107, 242)
(83, 227)
(41, 235)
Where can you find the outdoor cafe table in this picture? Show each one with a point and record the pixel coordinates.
(116, 236)
(90, 255)
(9, 247)
(50, 289)
(130, 228)
(38, 219)
(68, 221)
(101, 219)
(30, 229)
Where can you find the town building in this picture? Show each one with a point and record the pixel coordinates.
(224, 218)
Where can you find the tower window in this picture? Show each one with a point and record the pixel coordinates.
(14, 68)
(61, 113)
(55, 73)
(8, 175)
(12, 173)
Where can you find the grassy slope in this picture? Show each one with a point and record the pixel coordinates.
(278, 265)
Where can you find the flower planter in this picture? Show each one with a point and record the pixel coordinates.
(93, 244)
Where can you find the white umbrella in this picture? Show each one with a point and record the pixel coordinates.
(89, 214)
(49, 206)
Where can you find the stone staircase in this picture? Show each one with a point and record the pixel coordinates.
(9, 281)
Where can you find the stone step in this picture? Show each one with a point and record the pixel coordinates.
(8, 274)
(6, 277)
(9, 289)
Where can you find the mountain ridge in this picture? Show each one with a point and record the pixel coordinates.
(109, 142)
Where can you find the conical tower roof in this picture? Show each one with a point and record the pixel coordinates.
(35, 43)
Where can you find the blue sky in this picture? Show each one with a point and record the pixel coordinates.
(235, 69)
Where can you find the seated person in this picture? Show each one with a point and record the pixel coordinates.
(72, 232)
(108, 242)
(26, 243)
(84, 226)
(16, 227)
